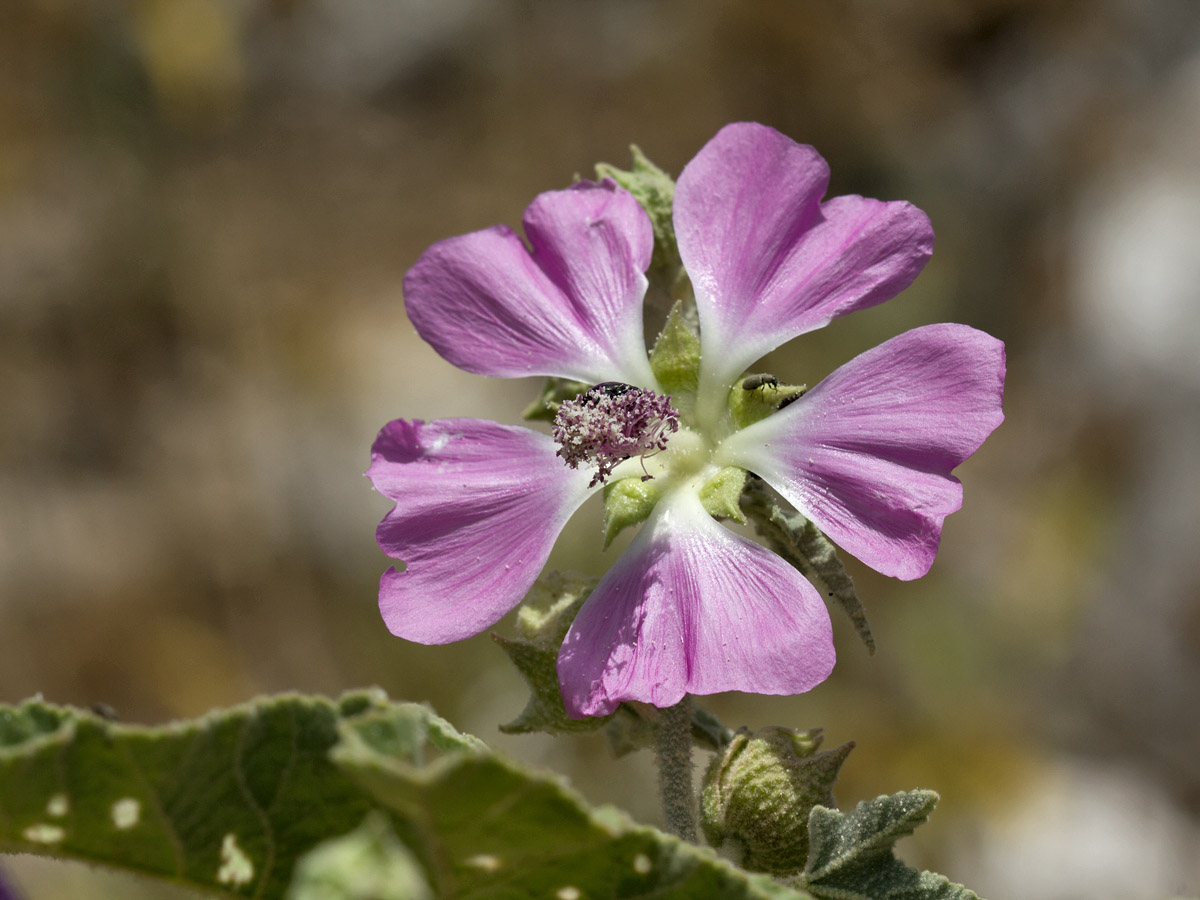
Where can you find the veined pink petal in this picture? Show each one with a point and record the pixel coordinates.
(572, 307)
(478, 507)
(768, 260)
(867, 453)
(692, 608)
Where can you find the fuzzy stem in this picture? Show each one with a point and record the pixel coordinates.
(673, 754)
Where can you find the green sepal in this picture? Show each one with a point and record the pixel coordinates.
(852, 857)
(627, 502)
(369, 863)
(749, 406)
(721, 494)
(758, 794)
(675, 359)
(546, 613)
(802, 544)
(654, 189)
(542, 622)
(555, 391)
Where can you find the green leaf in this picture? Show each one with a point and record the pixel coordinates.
(851, 855)
(802, 544)
(490, 830)
(546, 613)
(224, 803)
(230, 804)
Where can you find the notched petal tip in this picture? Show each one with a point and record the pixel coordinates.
(867, 454)
(398, 442)
(478, 508)
(569, 305)
(769, 260)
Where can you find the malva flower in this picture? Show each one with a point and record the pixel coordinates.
(690, 607)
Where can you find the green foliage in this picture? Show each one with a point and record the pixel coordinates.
(233, 802)
(491, 830)
(225, 802)
(802, 544)
(851, 855)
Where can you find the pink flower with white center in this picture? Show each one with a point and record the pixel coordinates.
(690, 607)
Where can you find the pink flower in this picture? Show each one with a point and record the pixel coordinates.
(690, 607)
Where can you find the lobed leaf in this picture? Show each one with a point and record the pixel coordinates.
(355, 798)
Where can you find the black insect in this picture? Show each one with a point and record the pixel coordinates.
(608, 389)
(754, 382)
(792, 398)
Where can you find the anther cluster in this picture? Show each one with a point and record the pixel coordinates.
(610, 423)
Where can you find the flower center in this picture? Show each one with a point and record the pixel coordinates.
(610, 423)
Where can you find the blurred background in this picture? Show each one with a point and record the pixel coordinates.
(206, 210)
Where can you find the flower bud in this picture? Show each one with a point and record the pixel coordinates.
(757, 796)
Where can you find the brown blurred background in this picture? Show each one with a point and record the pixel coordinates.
(206, 209)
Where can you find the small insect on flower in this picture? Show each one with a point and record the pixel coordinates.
(754, 382)
(608, 389)
(792, 398)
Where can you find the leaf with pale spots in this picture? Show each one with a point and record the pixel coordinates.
(240, 802)
(491, 830)
(226, 803)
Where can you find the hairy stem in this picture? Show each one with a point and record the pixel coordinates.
(673, 753)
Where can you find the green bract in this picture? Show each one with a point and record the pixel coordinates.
(759, 792)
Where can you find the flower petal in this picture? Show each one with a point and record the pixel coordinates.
(768, 260)
(571, 308)
(692, 608)
(478, 508)
(867, 453)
